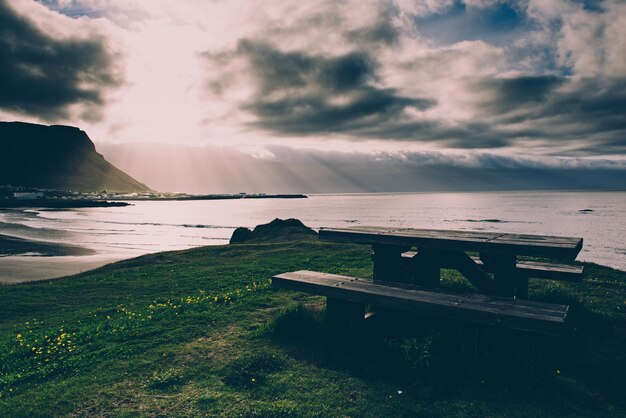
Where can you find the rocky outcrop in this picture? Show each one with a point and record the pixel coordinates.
(277, 230)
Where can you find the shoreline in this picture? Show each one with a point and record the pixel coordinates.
(212, 197)
(122, 200)
(58, 204)
(20, 269)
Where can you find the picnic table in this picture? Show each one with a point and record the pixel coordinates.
(406, 276)
(436, 249)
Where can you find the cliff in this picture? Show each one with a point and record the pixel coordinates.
(57, 157)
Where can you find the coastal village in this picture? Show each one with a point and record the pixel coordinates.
(11, 196)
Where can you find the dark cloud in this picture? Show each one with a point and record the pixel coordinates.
(513, 93)
(313, 114)
(600, 104)
(277, 70)
(308, 94)
(463, 136)
(41, 75)
(562, 109)
(585, 115)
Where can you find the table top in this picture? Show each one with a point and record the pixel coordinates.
(498, 242)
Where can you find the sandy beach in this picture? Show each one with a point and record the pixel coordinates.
(20, 269)
(25, 260)
(10, 245)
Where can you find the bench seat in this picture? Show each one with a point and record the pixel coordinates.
(518, 314)
(535, 269)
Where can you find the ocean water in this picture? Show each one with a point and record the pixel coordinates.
(146, 227)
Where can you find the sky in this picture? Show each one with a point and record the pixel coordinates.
(329, 96)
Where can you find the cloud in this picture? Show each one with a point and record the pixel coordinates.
(525, 78)
(502, 76)
(43, 75)
(512, 93)
(299, 93)
(585, 115)
(285, 169)
(383, 31)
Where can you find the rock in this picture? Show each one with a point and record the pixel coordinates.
(240, 234)
(275, 231)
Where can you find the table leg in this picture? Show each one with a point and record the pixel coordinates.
(426, 268)
(505, 274)
(521, 286)
(388, 263)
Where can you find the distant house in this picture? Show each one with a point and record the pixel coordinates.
(28, 195)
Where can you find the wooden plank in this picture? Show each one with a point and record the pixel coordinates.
(539, 245)
(327, 279)
(553, 271)
(502, 312)
(546, 270)
(519, 244)
(541, 306)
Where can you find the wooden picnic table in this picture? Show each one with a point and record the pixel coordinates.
(407, 264)
(435, 249)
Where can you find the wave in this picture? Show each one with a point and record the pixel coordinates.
(490, 220)
(163, 224)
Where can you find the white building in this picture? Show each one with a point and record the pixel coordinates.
(28, 195)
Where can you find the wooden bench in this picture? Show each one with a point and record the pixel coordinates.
(534, 269)
(352, 294)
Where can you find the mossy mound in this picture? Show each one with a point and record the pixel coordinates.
(276, 231)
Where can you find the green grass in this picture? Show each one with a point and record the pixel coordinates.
(201, 332)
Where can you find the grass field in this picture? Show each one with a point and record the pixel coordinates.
(201, 332)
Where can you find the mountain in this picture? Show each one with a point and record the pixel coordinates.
(57, 157)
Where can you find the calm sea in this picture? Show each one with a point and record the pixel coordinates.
(145, 227)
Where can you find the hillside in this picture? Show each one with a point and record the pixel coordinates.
(202, 333)
(57, 157)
